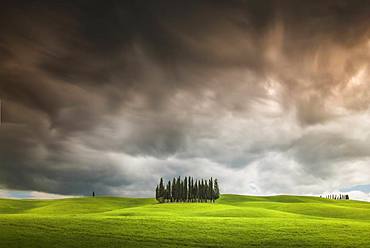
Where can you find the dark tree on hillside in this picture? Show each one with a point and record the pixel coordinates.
(216, 190)
(169, 191)
(174, 192)
(178, 191)
(167, 195)
(161, 191)
(211, 193)
(181, 190)
(202, 191)
(185, 189)
(157, 193)
(191, 190)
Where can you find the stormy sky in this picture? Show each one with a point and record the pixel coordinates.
(270, 97)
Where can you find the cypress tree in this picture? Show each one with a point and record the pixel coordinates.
(165, 194)
(156, 193)
(169, 191)
(193, 191)
(181, 191)
(173, 189)
(206, 193)
(202, 191)
(199, 191)
(189, 189)
(178, 192)
(216, 189)
(196, 190)
(205, 190)
(186, 189)
(161, 191)
(211, 190)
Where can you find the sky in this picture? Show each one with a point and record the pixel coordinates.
(270, 97)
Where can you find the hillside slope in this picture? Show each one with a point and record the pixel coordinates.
(234, 221)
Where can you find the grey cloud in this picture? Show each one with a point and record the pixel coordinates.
(113, 95)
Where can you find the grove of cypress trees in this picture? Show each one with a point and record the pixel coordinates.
(187, 190)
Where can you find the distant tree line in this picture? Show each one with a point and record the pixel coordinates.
(336, 197)
(187, 190)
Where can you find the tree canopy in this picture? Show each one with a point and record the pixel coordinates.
(187, 190)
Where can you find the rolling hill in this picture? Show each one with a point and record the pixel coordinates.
(234, 221)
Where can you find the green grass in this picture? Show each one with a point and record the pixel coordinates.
(234, 221)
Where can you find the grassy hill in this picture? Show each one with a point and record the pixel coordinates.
(234, 221)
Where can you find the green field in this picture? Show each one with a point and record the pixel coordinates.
(234, 221)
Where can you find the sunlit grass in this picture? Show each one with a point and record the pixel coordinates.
(234, 221)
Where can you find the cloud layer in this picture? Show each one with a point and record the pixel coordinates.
(271, 98)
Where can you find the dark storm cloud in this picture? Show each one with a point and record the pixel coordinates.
(112, 95)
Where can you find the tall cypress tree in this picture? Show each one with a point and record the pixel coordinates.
(181, 191)
(211, 190)
(178, 189)
(217, 190)
(161, 191)
(201, 191)
(157, 193)
(169, 191)
(205, 190)
(173, 191)
(196, 191)
(195, 187)
(185, 189)
(165, 194)
(191, 190)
